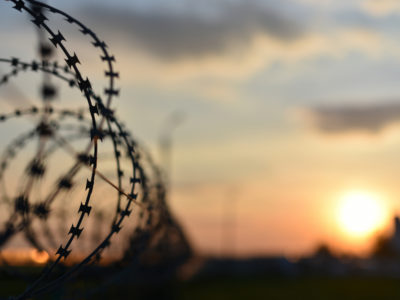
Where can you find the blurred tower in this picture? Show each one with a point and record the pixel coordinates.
(165, 143)
(396, 235)
(229, 220)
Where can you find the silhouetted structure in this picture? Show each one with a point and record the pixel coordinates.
(388, 247)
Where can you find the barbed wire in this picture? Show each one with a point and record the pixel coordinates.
(157, 172)
(137, 180)
(118, 220)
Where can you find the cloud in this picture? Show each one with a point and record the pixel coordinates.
(381, 7)
(261, 53)
(230, 42)
(173, 35)
(368, 118)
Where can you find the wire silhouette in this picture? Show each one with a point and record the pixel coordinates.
(137, 181)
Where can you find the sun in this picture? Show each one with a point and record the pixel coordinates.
(39, 257)
(361, 213)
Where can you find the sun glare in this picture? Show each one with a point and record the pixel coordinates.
(39, 257)
(361, 213)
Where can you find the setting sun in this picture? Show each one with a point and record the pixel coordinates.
(39, 257)
(361, 213)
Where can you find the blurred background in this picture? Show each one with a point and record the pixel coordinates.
(277, 122)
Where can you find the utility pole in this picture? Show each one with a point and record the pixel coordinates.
(229, 222)
(170, 124)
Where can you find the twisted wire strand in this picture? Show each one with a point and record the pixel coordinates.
(157, 173)
(31, 111)
(157, 231)
(72, 61)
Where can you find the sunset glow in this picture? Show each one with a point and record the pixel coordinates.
(301, 109)
(361, 213)
(39, 257)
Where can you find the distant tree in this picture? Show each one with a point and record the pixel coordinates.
(324, 251)
(384, 248)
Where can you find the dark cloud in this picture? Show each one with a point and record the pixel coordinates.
(173, 35)
(371, 118)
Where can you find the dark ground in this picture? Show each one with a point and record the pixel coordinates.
(307, 288)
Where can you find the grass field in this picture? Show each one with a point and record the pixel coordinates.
(307, 288)
(299, 288)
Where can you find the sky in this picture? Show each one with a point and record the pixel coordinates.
(286, 106)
